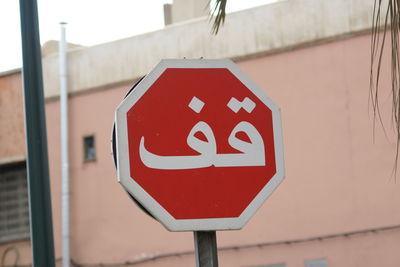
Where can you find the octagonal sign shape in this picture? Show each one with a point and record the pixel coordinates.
(199, 145)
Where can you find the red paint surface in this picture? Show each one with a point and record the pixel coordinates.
(163, 117)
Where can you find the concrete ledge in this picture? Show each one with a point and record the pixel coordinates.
(10, 72)
(272, 27)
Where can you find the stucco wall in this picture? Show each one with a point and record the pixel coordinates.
(338, 180)
(12, 136)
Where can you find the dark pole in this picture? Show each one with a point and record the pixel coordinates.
(36, 141)
(205, 248)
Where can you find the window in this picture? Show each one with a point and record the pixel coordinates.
(89, 148)
(316, 263)
(14, 207)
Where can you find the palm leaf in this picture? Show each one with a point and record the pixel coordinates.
(391, 27)
(218, 13)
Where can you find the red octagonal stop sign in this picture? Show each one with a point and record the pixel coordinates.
(199, 145)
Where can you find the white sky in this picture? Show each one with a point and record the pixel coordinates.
(90, 22)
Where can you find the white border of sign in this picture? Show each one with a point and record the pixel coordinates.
(148, 201)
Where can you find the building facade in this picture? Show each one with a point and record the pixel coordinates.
(339, 203)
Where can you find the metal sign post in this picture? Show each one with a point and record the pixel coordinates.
(35, 122)
(205, 248)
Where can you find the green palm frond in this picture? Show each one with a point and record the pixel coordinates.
(218, 13)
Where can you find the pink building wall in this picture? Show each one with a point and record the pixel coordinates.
(338, 178)
(11, 118)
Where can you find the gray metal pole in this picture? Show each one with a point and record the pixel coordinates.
(64, 148)
(36, 140)
(206, 252)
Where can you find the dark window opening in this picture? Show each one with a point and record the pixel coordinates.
(14, 205)
(89, 148)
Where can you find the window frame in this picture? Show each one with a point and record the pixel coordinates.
(85, 148)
